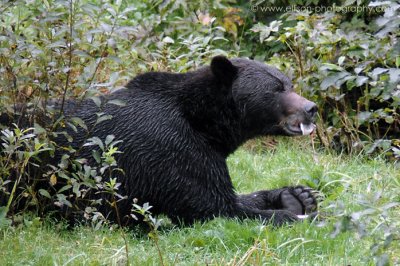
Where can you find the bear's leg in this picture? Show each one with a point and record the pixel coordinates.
(276, 217)
(298, 200)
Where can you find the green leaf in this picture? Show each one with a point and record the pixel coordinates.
(361, 80)
(44, 193)
(109, 138)
(64, 188)
(332, 80)
(378, 71)
(96, 156)
(117, 102)
(168, 39)
(76, 189)
(394, 75)
(28, 136)
(78, 121)
(63, 199)
(329, 66)
(3, 212)
(94, 141)
(389, 119)
(4, 221)
(96, 100)
(72, 126)
(38, 129)
(364, 116)
(349, 2)
(103, 118)
(341, 60)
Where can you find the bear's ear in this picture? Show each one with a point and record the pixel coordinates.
(223, 70)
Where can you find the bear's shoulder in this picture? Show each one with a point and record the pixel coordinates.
(156, 81)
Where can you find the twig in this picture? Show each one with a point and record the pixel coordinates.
(114, 203)
(69, 43)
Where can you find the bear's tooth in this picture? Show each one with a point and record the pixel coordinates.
(305, 216)
(307, 129)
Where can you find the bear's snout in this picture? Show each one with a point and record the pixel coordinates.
(298, 114)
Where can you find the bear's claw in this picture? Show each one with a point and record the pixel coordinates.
(298, 200)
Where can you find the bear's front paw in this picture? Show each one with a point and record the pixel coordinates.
(298, 200)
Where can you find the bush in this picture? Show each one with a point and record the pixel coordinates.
(350, 66)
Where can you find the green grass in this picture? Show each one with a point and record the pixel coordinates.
(357, 183)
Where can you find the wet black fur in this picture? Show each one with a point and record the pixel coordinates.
(177, 131)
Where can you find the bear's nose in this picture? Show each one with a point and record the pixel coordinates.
(311, 109)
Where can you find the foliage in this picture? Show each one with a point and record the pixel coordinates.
(346, 59)
(152, 222)
(350, 68)
(19, 150)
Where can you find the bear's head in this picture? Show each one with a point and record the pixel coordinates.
(265, 98)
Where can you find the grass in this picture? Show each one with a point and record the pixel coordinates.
(349, 185)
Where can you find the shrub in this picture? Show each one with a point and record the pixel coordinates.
(350, 66)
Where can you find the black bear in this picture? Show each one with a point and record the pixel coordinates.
(178, 129)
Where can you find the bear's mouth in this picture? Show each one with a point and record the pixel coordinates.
(299, 128)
